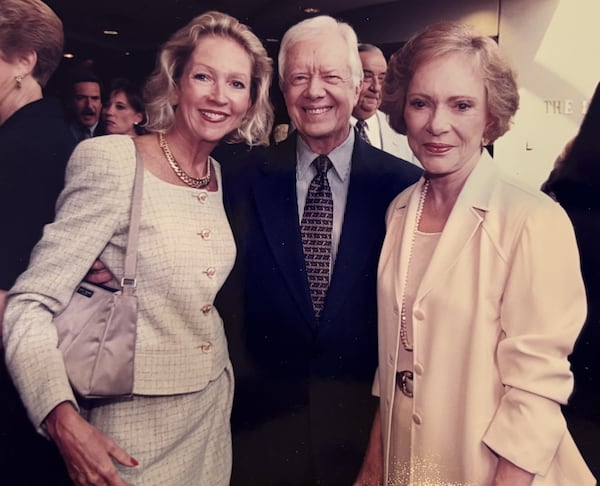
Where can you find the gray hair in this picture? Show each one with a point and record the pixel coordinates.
(369, 48)
(308, 28)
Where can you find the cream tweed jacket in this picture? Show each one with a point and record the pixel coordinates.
(185, 253)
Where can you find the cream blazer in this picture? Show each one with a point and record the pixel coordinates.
(186, 250)
(495, 317)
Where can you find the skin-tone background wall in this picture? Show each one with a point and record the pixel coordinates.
(554, 47)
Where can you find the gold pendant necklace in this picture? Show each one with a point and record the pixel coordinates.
(403, 331)
(179, 172)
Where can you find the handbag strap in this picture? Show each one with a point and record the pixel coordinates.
(128, 282)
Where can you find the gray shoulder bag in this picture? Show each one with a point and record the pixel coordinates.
(97, 329)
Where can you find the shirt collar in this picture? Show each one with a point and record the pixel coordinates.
(340, 157)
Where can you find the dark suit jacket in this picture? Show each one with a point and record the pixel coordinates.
(303, 406)
(35, 145)
(76, 130)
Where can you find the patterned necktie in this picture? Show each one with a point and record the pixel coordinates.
(316, 228)
(361, 126)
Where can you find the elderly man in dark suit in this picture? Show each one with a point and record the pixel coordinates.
(300, 307)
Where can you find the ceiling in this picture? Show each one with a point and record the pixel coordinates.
(143, 25)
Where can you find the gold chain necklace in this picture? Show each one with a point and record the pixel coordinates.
(403, 332)
(179, 172)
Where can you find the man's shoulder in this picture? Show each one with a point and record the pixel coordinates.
(53, 139)
(383, 120)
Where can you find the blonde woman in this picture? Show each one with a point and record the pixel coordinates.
(211, 83)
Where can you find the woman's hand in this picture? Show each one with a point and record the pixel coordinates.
(87, 452)
(371, 471)
(98, 274)
(507, 474)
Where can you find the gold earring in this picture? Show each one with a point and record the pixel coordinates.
(19, 80)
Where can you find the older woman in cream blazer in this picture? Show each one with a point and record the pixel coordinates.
(496, 314)
(480, 295)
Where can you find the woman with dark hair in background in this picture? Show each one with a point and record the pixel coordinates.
(35, 145)
(124, 112)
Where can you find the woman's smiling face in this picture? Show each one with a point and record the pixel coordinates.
(446, 114)
(213, 94)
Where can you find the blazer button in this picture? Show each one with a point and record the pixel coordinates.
(206, 309)
(204, 234)
(419, 315)
(202, 196)
(419, 369)
(206, 347)
(210, 272)
(417, 419)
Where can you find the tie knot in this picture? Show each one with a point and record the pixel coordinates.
(322, 164)
(361, 124)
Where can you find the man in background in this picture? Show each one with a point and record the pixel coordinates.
(371, 124)
(84, 105)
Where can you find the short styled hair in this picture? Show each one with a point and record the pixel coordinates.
(31, 25)
(444, 38)
(308, 28)
(363, 47)
(134, 98)
(173, 56)
(131, 92)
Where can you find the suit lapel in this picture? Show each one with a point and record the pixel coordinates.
(465, 219)
(389, 138)
(383, 135)
(355, 243)
(274, 192)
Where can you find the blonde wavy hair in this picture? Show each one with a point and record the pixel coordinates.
(444, 38)
(161, 86)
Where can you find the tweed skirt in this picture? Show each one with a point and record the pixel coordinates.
(178, 440)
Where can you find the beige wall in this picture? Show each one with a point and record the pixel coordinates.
(555, 48)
